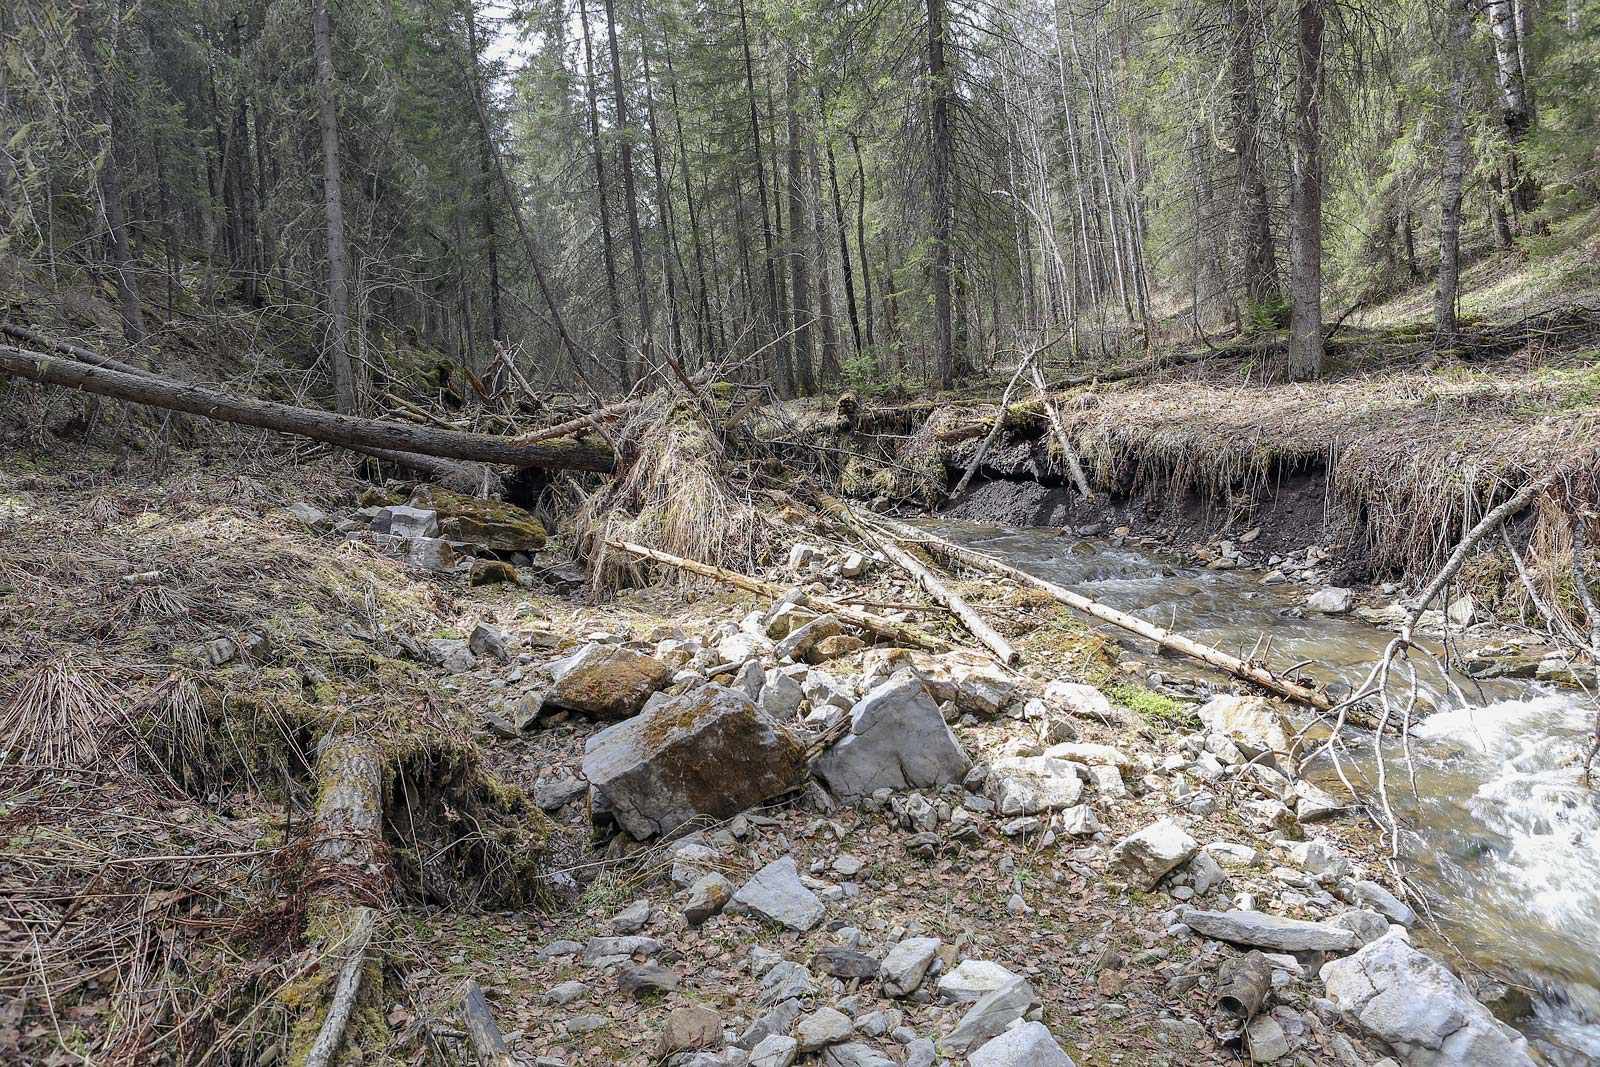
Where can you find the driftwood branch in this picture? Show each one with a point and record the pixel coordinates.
(900, 633)
(930, 583)
(1060, 430)
(994, 430)
(344, 430)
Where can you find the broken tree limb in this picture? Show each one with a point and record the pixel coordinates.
(994, 430)
(346, 992)
(344, 430)
(1060, 430)
(900, 633)
(488, 1045)
(464, 476)
(1214, 657)
(930, 583)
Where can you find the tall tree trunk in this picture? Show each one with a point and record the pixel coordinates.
(861, 236)
(635, 234)
(939, 196)
(844, 250)
(1444, 315)
(1255, 216)
(704, 313)
(108, 178)
(1506, 30)
(614, 347)
(663, 197)
(799, 272)
(346, 395)
(1305, 320)
(774, 306)
(829, 343)
(491, 242)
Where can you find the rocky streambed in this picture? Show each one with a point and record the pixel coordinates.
(777, 843)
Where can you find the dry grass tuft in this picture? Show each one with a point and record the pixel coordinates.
(57, 718)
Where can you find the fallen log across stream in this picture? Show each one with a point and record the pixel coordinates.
(900, 633)
(344, 430)
(1250, 672)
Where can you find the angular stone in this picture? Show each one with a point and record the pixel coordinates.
(709, 752)
(1077, 821)
(565, 993)
(802, 639)
(552, 794)
(781, 695)
(1028, 785)
(707, 896)
(835, 647)
(973, 980)
(774, 1050)
(786, 980)
(1334, 600)
(1313, 804)
(1380, 900)
(1252, 723)
(1078, 699)
(606, 682)
(1028, 1045)
(1266, 1040)
(308, 515)
(821, 1028)
(692, 1026)
(403, 521)
(1147, 856)
(845, 963)
(647, 978)
(1426, 1014)
(486, 640)
(603, 949)
(777, 895)
(974, 683)
(989, 1017)
(855, 1054)
(631, 920)
(897, 740)
(904, 966)
(1257, 929)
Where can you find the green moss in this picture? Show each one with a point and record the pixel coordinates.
(494, 524)
(1154, 708)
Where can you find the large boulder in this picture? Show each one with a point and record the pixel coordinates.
(709, 752)
(606, 682)
(897, 740)
(1029, 785)
(491, 524)
(1027, 1045)
(974, 683)
(1421, 1010)
(1254, 724)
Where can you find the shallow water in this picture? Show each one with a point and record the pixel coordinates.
(1503, 839)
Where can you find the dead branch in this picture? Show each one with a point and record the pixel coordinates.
(1060, 430)
(930, 583)
(488, 1045)
(900, 633)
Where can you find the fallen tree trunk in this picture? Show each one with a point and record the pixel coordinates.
(1214, 657)
(345, 867)
(900, 633)
(463, 476)
(930, 583)
(994, 431)
(488, 1044)
(343, 430)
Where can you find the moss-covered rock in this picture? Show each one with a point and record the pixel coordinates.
(493, 524)
(707, 753)
(606, 682)
(492, 571)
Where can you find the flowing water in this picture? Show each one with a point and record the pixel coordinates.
(1503, 838)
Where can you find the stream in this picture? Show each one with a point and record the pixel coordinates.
(1500, 836)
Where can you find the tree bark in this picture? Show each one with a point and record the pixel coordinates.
(1444, 316)
(635, 234)
(799, 272)
(346, 392)
(861, 238)
(1255, 218)
(619, 357)
(108, 178)
(664, 215)
(774, 308)
(844, 251)
(939, 196)
(337, 429)
(1509, 24)
(1305, 318)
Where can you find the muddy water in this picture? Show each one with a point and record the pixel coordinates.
(1502, 838)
